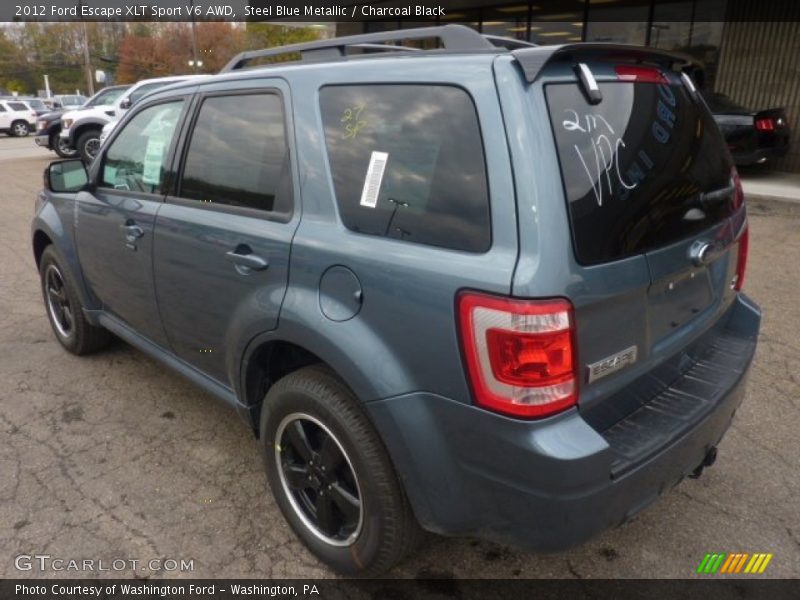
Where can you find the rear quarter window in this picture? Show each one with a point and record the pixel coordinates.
(636, 165)
(407, 162)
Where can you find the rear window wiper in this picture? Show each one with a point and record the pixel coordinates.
(704, 200)
(715, 196)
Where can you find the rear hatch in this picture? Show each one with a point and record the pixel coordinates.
(655, 214)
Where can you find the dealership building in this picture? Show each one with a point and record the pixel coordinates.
(750, 51)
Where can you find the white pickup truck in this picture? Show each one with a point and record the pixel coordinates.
(82, 128)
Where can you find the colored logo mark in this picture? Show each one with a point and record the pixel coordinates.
(738, 562)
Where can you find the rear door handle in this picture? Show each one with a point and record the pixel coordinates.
(249, 260)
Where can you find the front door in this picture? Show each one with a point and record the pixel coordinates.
(115, 220)
(222, 242)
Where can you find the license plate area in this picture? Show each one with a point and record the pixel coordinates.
(677, 299)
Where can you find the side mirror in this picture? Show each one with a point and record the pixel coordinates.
(125, 103)
(66, 176)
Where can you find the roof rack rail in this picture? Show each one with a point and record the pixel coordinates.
(507, 42)
(454, 38)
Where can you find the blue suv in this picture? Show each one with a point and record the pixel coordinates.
(474, 287)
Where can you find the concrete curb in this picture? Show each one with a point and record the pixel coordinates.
(770, 198)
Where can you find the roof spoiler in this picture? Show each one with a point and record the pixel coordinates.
(533, 60)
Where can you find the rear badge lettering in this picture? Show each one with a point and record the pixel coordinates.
(612, 364)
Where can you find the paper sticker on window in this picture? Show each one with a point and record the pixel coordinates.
(153, 157)
(372, 182)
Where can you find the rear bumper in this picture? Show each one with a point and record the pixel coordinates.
(758, 156)
(551, 484)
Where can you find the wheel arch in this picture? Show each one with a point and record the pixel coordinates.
(40, 241)
(48, 230)
(15, 121)
(355, 358)
(267, 362)
(80, 127)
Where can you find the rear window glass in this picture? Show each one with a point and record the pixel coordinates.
(407, 163)
(635, 167)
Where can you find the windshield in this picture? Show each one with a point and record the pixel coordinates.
(106, 97)
(72, 100)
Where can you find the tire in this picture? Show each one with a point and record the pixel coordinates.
(20, 129)
(62, 147)
(64, 310)
(332, 420)
(88, 144)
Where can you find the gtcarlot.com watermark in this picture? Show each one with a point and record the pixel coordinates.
(48, 563)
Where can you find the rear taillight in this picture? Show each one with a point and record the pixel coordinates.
(741, 264)
(639, 74)
(738, 192)
(765, 124)
(744, 236)
(520, 354)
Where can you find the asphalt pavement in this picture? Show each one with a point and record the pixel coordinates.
(115, 457)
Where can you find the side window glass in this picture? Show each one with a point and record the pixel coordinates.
(136, 159)
(407, 162)
(2, 108)
(238, 154)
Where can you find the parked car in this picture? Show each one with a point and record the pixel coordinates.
(80, 128)
(82, 131)
(16, 118)
(35, 104)
(753, 136)
(485, 291)
(66, 101)
(48, 126)
(137, 93)
(38, 106)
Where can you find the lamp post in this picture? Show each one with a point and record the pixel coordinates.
(194, 63)
(86, 62)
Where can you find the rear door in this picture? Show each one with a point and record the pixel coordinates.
(653, 214)
(222, 239)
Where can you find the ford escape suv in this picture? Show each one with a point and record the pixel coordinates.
(485, 289)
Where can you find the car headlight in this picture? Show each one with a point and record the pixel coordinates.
(66, 123)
